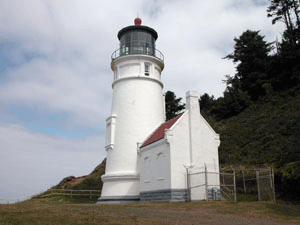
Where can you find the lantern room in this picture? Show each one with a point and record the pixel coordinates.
(137, 39)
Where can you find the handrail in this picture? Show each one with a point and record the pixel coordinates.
(137, 50)
(70, 192)
(66, 190)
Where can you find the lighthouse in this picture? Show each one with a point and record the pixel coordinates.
(148, 158)
(137, 110)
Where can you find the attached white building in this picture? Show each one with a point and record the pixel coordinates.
(186, 141)
(146, 156)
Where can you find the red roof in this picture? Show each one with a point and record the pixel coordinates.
(159, 133)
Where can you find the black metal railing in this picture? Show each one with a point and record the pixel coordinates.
(137, 50)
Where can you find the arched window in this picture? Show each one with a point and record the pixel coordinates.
(160, 155)
(147, 160)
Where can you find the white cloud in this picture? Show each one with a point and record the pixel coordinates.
(32, 162)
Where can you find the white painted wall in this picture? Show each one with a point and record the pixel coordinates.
(204, 145)
(155, 167)
(199, 192)
(137, 108)
(178, 136)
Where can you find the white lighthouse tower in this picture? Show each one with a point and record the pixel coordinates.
(137, 110)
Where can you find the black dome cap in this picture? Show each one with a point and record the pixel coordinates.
(137, 28)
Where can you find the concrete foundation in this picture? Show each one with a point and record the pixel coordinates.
(170, 195)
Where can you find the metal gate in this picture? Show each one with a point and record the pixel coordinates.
(233, 184)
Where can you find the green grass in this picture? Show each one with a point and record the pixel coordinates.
(247, 197)
(73, 200)
(58, 210)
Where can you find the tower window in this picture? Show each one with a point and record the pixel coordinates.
(147, 69)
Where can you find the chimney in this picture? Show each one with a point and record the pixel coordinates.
(192, 101)
(193, 108)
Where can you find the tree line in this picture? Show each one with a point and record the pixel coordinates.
(262, 68)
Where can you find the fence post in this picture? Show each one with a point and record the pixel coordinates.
(234, 183)
(206, 187)
(270, 174)
(243, 172)
(258, 187)
(273, 189)
(71, 193)
(188, 183)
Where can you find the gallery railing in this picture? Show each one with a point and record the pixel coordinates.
(137, 50)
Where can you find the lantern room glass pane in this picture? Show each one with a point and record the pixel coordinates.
(134, 36)
(137, 42)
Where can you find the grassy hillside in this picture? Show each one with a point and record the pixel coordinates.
(88, 182)
(266, 133)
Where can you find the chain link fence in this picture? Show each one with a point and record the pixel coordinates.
(236, 184)
(247, 183)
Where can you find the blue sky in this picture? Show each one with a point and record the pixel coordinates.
(4, 61)
(55, 77)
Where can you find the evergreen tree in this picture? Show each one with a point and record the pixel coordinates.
(284, 67)
(234, 101)
(288, 12)
(251, 54)
(206, 102)
(173, 105)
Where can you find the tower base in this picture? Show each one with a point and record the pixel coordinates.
(120, 188)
